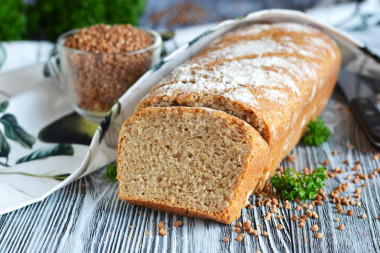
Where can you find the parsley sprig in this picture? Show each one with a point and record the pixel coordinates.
(317, 133)
(293, 184)
(111, 172)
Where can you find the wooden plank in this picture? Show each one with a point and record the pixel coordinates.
(87, 216)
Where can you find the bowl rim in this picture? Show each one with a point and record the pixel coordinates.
(3, 55)
(155, 45)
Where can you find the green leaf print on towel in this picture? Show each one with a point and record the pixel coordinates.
(15, 132)
(58, 149)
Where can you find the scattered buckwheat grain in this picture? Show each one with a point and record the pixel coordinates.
(292, 158)
(319, 235)
(177, 223)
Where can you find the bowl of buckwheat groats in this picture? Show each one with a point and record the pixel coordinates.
(96, 65)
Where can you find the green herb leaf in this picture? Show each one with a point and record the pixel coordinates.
(111, 172)
(14, 132)
(12, 20)
(293, 184)
(4, 106)
(54, 17)
(4, 146)
(58, 149)
(317, 133)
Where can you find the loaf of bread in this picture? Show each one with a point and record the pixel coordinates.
(270, 78)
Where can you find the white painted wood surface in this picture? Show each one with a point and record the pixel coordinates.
(87, 216)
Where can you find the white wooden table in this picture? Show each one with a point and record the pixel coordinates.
(87, 216)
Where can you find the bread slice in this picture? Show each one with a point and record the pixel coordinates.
(276, 77)
(190, 161)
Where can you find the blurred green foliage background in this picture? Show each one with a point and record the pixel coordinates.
(47, 19)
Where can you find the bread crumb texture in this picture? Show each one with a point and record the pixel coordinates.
(188, 160)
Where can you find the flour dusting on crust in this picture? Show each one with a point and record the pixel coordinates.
(266, 63)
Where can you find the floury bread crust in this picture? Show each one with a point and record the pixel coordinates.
(189, 161)
(216, 128)
(276, 77)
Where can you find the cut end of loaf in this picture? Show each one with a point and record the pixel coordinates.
(189, 161)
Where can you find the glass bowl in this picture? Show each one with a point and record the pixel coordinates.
(95, 81)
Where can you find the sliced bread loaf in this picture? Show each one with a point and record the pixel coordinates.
(216, 128)
(190, 161)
